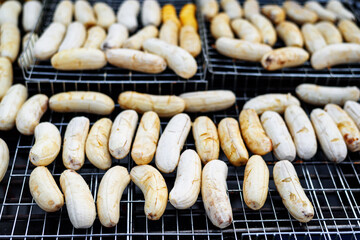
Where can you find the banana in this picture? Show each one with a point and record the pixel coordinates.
(95, 36)
(136, 41)
(190, 40)
(187, 16)
(265, 28)
(96, 147)
(84, 13)
(322, 95)
(313, 38)
(241, 49)
(349, 30)
(275, 128)
(251, 7)
(31, 13)
(153, 186)
(284, 57)
(353, 109)
(122, 133)
(169, 32)
(330, 32)
(329, 136)
(105, 15)
(4, 158)
(88, 102)
(335, 54)
(232, 8)
(206, 139)
(178, 59)
(340, 11)
(246, 30)
(44, 190)
(64, 12)
(74, 143)
(9, 12)
(293, 196)
(146, 139)
(75, 36)
(30, 113)
(10, 41)
(10, 106)
(47, 144)
(301, 131)
(232, 143)
(164, 106)
(253, 133)
(256, 182)
(298, 14)
(6, 76)
(290, 34)
(276, 102)
(274, 12)
(151, 13)
(26, 58)
(209, 8)
(136, 60)
(346, 125)
(322, 13)
(116, 37)
(188, 181)
(79, 200)
(49, 42)
(214, 194)
(220, 26)
(111, 189)
(208, 101)
(171, 142)
(127, 14)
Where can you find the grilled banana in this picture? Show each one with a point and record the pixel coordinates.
(290, 34)
(154, 188)
(313, 38)
(31, 13)
(298, 14)
(111, 189)
(340, 11)
(322, 13)
(246, 30)
(293, 196)
(47, 144)
(95, 37)
(6, 76)
(64, 12)
(74, 143)
(214, 194)
(329, 136)
(84, 13)
(220, 26)
(104, 14)
(10, 41)
(9, 12)
(169, 32)
(75, 36)
(127, 14)
(44, 190)
(116, 37)
(256, 182)
(353, 109)
(122, 133)
(171, 142)
(151, 13)
(284, 57)
(265, 28)
(274, 12)
(251, 7)
(231, 142)
(209, 8)
(188, 180)
(79, 200)
(190, 40)
(349, 30)
(136, 41)
(4, 158)
(329, 31)
(232, 8)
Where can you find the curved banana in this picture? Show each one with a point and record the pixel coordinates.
(4, 158)
(251, 7)
(151, 13)
(10, 41)
(290, 33)
(171, 142)
(105, 15)
(274, 12)
(80, 203)
(246, 30)
(84, 13)
(31, 13)
(232, 8)
(293, 196)
(322, 13)
(299, 14)
(265, 28)
(312, 37)
(214, 194)
(44, 190)
(95, 37)
(64, 12)
(349, 30)
(220, 26)
(111, 189)
(188, 180)
(340, 11)
(284, 57)
(169, 32)
(353, 109)
(47, 144)
(330, 32)
(127, 14)
(209, 8)
(190, 40)
(153, 186)
(116, 37)
(9, 12)
(136, 41)
(75, 36)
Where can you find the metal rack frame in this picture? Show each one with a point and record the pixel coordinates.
(334, 190)
(239, 73)
(42, 73)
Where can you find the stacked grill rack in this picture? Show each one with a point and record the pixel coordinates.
(333, 189)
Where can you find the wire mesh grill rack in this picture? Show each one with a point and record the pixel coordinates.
(334, 190)
(231, 70)
(42, 72)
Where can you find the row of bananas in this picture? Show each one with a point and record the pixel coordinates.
(323, 40)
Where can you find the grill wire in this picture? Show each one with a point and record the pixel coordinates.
(334, 189)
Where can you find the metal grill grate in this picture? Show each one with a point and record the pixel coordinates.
(222, 67)
(334, 190)
(42, 72)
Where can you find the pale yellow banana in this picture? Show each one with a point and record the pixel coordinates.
(4, 158)
(353, 109)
